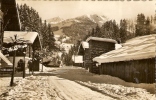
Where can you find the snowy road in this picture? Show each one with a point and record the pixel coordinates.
(69, 84)
(69, 90)
(51, 88)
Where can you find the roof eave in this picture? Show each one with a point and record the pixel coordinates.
(140, 56)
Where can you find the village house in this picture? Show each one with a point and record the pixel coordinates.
(134, 62)
(11, 28)
(32, 41)
(93, 47)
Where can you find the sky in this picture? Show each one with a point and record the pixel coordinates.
(111, 9)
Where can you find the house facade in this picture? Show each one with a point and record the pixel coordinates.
(32, 41)
(94, 47)
(11, 28)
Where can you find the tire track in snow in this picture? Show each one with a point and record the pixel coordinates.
(70, 90)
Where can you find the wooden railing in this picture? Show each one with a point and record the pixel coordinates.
(6, 70)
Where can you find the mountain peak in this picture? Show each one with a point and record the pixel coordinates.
(55, 20)
(99, 19)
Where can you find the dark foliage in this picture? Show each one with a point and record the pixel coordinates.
(143, 26)
(31, 21)
(125, 30)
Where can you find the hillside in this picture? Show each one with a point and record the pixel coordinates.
(55, 20)
(76, 28)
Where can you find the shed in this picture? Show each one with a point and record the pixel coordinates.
(93, 47)
(31, 38)
(134, 62)
(77, 60)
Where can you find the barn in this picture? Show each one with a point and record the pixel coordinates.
(93, 47)
(134, 62)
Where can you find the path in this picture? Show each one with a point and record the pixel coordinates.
(70, 90)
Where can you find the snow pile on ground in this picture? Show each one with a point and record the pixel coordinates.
(50, 87)
(31, 88)
(120, 92)
(46, 69)
(5, 84)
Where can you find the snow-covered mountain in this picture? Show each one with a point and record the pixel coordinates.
(76, 28)
(99, 19)
(55, 20)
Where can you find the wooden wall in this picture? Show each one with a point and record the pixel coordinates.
(142, 71)
(96, 49)
(11, 20)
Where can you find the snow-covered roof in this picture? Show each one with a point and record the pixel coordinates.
(101, 39)
(142, 47)
(117, 46)
(5, 59)
(29, 37)
(85, 44)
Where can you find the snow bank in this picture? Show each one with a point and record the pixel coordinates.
(121, 92)
(31, 88)
(45, 69)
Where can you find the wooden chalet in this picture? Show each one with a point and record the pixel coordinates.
(94, 47)
(11, 26)
(33, 42)
(134, 62)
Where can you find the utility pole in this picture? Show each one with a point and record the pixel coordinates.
(13, 72)
(24, 66)
(32, 62)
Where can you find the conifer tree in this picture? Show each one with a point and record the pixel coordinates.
(31, 20)
(143, 26)
(97, 31)
(140, 25)
(93, 32)
(51, 42)
(123, 30)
